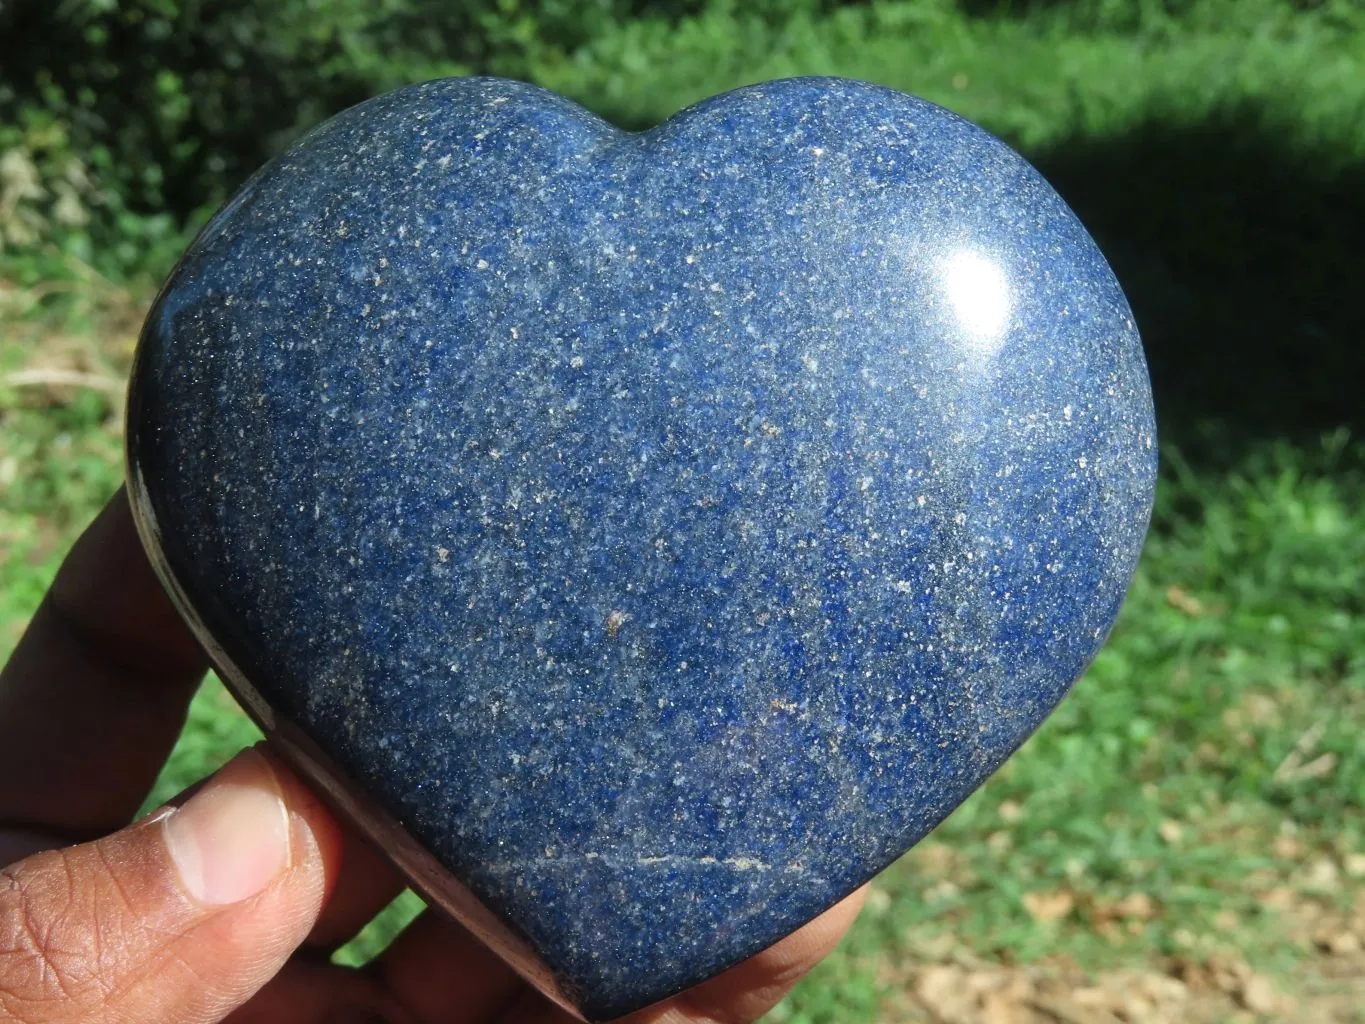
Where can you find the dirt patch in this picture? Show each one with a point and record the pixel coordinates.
(961, 989)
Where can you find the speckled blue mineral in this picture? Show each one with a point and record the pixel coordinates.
(666, 529)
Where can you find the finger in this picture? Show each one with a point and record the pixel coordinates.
(441, 974)
(366, 883)
(180, 917)
(311, 992)
(97, 690)
(747, 991)
(530, 1007)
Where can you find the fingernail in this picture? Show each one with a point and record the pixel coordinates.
(231, 840)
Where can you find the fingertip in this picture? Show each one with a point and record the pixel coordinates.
(183, 915)
(317, 843)
(233, 838)
(748, 990)
(838, 919)
(793, 956)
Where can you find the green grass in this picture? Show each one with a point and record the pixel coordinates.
(1198, 799)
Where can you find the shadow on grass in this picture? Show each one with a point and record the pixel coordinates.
(1244, 262)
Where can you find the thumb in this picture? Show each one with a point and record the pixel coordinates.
(177, 919)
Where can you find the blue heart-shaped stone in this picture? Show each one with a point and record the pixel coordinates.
(650, 535)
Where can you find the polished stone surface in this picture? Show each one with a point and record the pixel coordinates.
(668, 529)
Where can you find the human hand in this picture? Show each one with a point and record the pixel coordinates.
(228, 904)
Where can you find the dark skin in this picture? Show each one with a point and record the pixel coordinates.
(103, 920)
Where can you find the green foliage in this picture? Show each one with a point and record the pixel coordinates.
(124, 122)
(125, 119)
(1210, 758)
(58, 464)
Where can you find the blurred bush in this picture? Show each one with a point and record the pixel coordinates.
(120, 118)
(123, 121)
